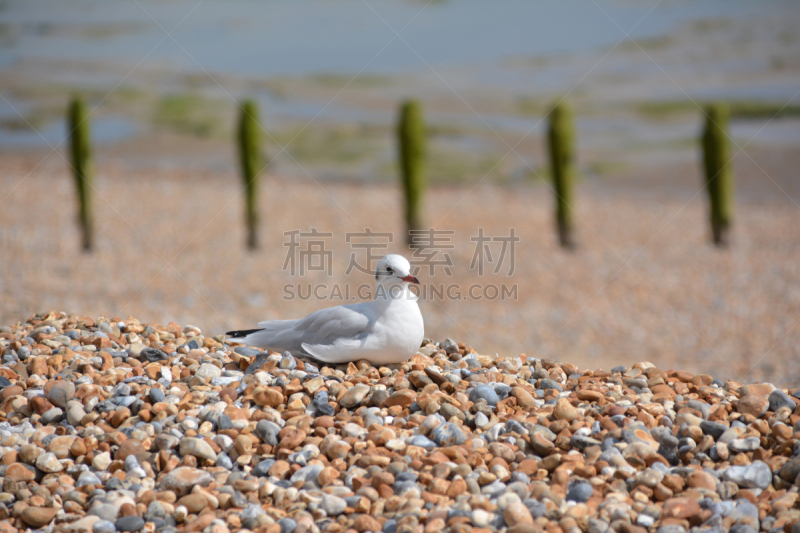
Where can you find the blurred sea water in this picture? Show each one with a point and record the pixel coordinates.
(295, 37)
(486, 71)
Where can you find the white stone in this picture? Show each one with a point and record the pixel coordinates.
(101, 461)
(197, 447)
(48, 462)
(207, 370)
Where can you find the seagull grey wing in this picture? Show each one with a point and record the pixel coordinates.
(327, 325)
(330, 332)
(278, 324)
(278, 335)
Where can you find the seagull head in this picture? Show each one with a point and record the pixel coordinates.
(394, 269)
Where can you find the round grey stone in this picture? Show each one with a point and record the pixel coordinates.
(756, 475)
(268, 432)
(247, 352)
(333, 505)
(579, 491)
(287, 525)
(224, 461)
(262, 468)
(156, 395)
(103, 526)
(224, 422)
(480, 419)
(129, 523)
(155, 510)
(52, 416)
(422, 441)
(130, 462)
(325, 409)
(307, 473)
(250, 515)
(791, 469)
(152, 355)
(106, 511)
(778, 399)
(536, 508)
(502, 390)
(548, 383)
(448, 434)
(715, 429)
(61, 393)
(484, 392)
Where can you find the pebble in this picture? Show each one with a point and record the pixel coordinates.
(354, 396)
(778, 399)
(60, 393)
(791, 469)
(52, 416)
(49, 463)
(745, 445)
(182, 479)
(484, 392)
(38, 516)
(564, 410)
(448, 434)
(333, 505)
(75, 415)
(753, 405)
(129, 523)
(423, 442)
(208, 370)
(119, 426)
(156, 395)
(756, 475)
(287, 362)
(714, 429)
(198, 448)
(268, 432)
(287, 525)
(101, 461)
(103, 526)
(516, 514)
(580, 491)
(549, 384)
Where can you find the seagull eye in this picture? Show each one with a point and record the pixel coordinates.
(389, 270)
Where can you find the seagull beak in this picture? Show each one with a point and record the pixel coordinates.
(411, 279)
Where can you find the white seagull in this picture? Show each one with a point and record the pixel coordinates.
(387, 330)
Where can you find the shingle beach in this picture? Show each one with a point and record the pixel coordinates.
(116, 425)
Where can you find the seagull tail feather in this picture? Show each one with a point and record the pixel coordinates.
(241, 334)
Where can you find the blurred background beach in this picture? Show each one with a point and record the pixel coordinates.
(164, 81)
